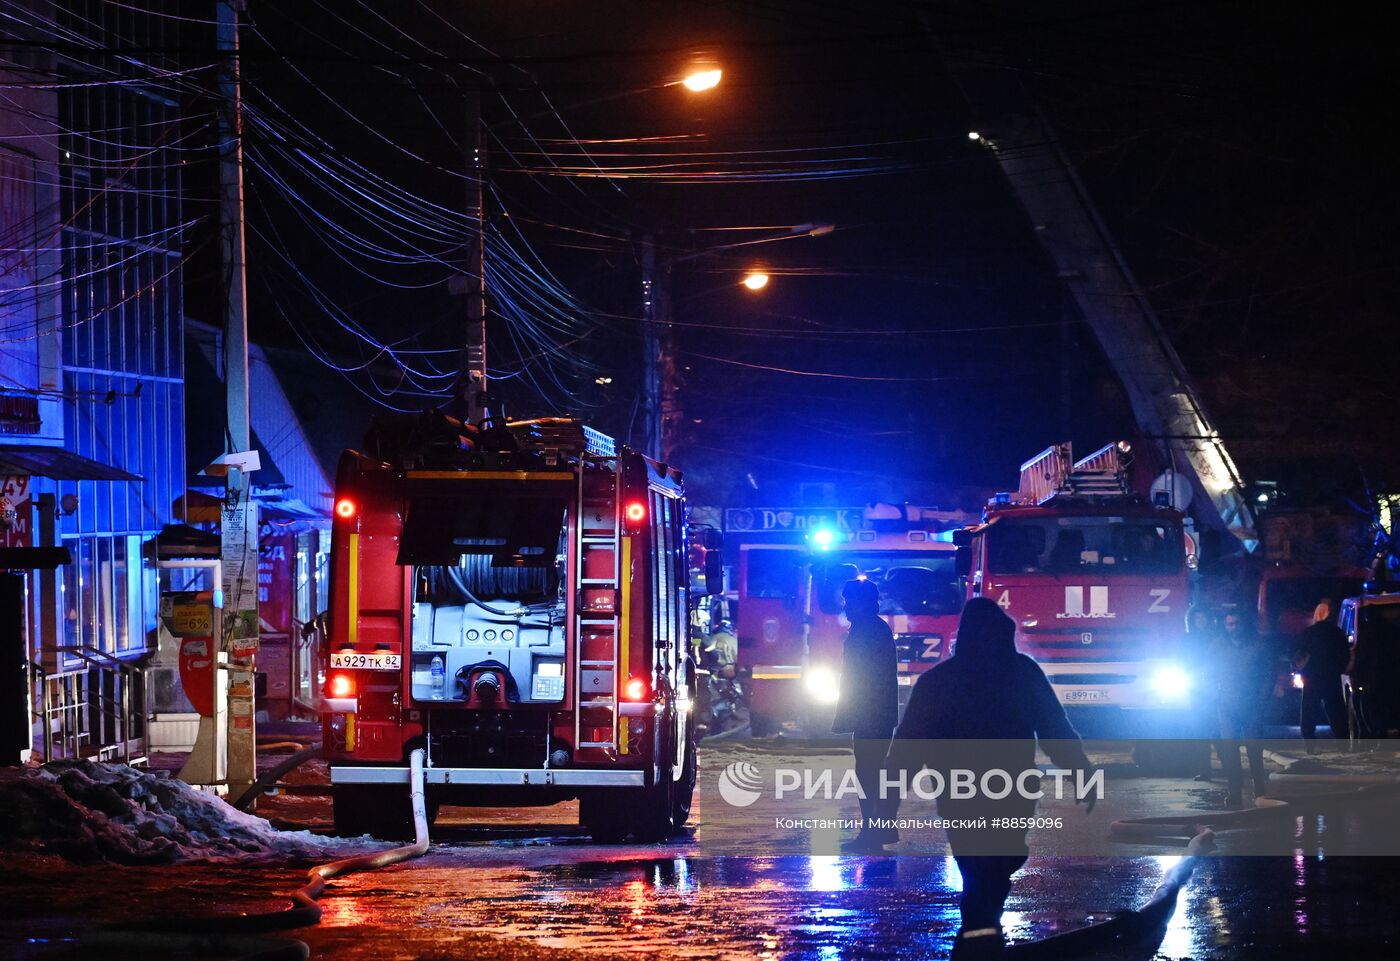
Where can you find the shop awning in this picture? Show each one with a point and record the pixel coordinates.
(57, 464)
(33, 558)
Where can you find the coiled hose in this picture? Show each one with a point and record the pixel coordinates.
(237, 935)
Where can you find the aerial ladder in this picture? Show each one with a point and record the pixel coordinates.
(1088, 262)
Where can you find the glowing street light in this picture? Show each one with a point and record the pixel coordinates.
(703, 79)
(755, 280)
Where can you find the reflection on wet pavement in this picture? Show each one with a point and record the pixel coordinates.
(801, 908)
(788, 907)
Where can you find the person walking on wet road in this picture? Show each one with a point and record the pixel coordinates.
(1320, 658)
(868, 708)
(982, 710)
(1244, 679)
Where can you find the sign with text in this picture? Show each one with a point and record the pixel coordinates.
(1059, 798)
(239, 550)
(16, 511)
(190, 617)
(276, 559)
(792, 519)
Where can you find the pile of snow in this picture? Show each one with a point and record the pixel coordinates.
(85, 811)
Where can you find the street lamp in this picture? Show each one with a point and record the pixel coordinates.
(755, 280)
(703, 79)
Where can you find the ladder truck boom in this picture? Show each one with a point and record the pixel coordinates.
(1165, 405)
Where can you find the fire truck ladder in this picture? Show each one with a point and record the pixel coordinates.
(599, 619)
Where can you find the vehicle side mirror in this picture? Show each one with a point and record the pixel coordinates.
(711, 539)
(714, 573)
(962, 537)
(962, 562)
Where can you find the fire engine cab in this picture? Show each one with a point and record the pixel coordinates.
(513, 600)
(790, 623)
(1097, 581)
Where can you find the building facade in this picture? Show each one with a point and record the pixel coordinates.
(93, 146)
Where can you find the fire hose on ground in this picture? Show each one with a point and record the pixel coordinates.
(274, 774)
(1146, 923)
(1351, 787)
(238, 935)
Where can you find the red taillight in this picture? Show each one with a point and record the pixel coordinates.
(636, 689)
(341, 685)
(636, 512)
(345, 508)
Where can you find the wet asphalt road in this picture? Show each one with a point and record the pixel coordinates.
(528, 884)
(556, 891)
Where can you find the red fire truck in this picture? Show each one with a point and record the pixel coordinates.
(790, 625)
(515, 602)
(1097, 580)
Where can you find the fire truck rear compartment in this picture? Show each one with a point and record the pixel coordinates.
(489, 625)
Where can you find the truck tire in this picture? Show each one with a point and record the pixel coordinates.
(761, 724)
(684, 789)
(604, 817)
(383, 811)
(657, 820)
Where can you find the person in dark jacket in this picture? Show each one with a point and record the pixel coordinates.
(1244, 679)
(982, 710)
(868, 708)
(1375, 673)
(1320, 658)
(1205, 711)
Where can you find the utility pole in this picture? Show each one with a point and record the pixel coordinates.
(474, 357)
(661, 382)
(230, 140)
(669, 420)
(671, 412)
(239, 524)
(651, 350)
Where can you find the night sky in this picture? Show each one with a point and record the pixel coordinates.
(1238, 157)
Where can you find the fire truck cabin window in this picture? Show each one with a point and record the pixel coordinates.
(909, 582)
(1101, 545)
(771, 574)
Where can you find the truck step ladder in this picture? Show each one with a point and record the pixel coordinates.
(598, 615)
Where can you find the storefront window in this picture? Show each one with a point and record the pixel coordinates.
(119, 587)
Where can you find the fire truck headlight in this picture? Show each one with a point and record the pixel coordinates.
(1171, 683)
(823, 686)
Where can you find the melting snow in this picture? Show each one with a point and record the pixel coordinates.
(85, 811)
